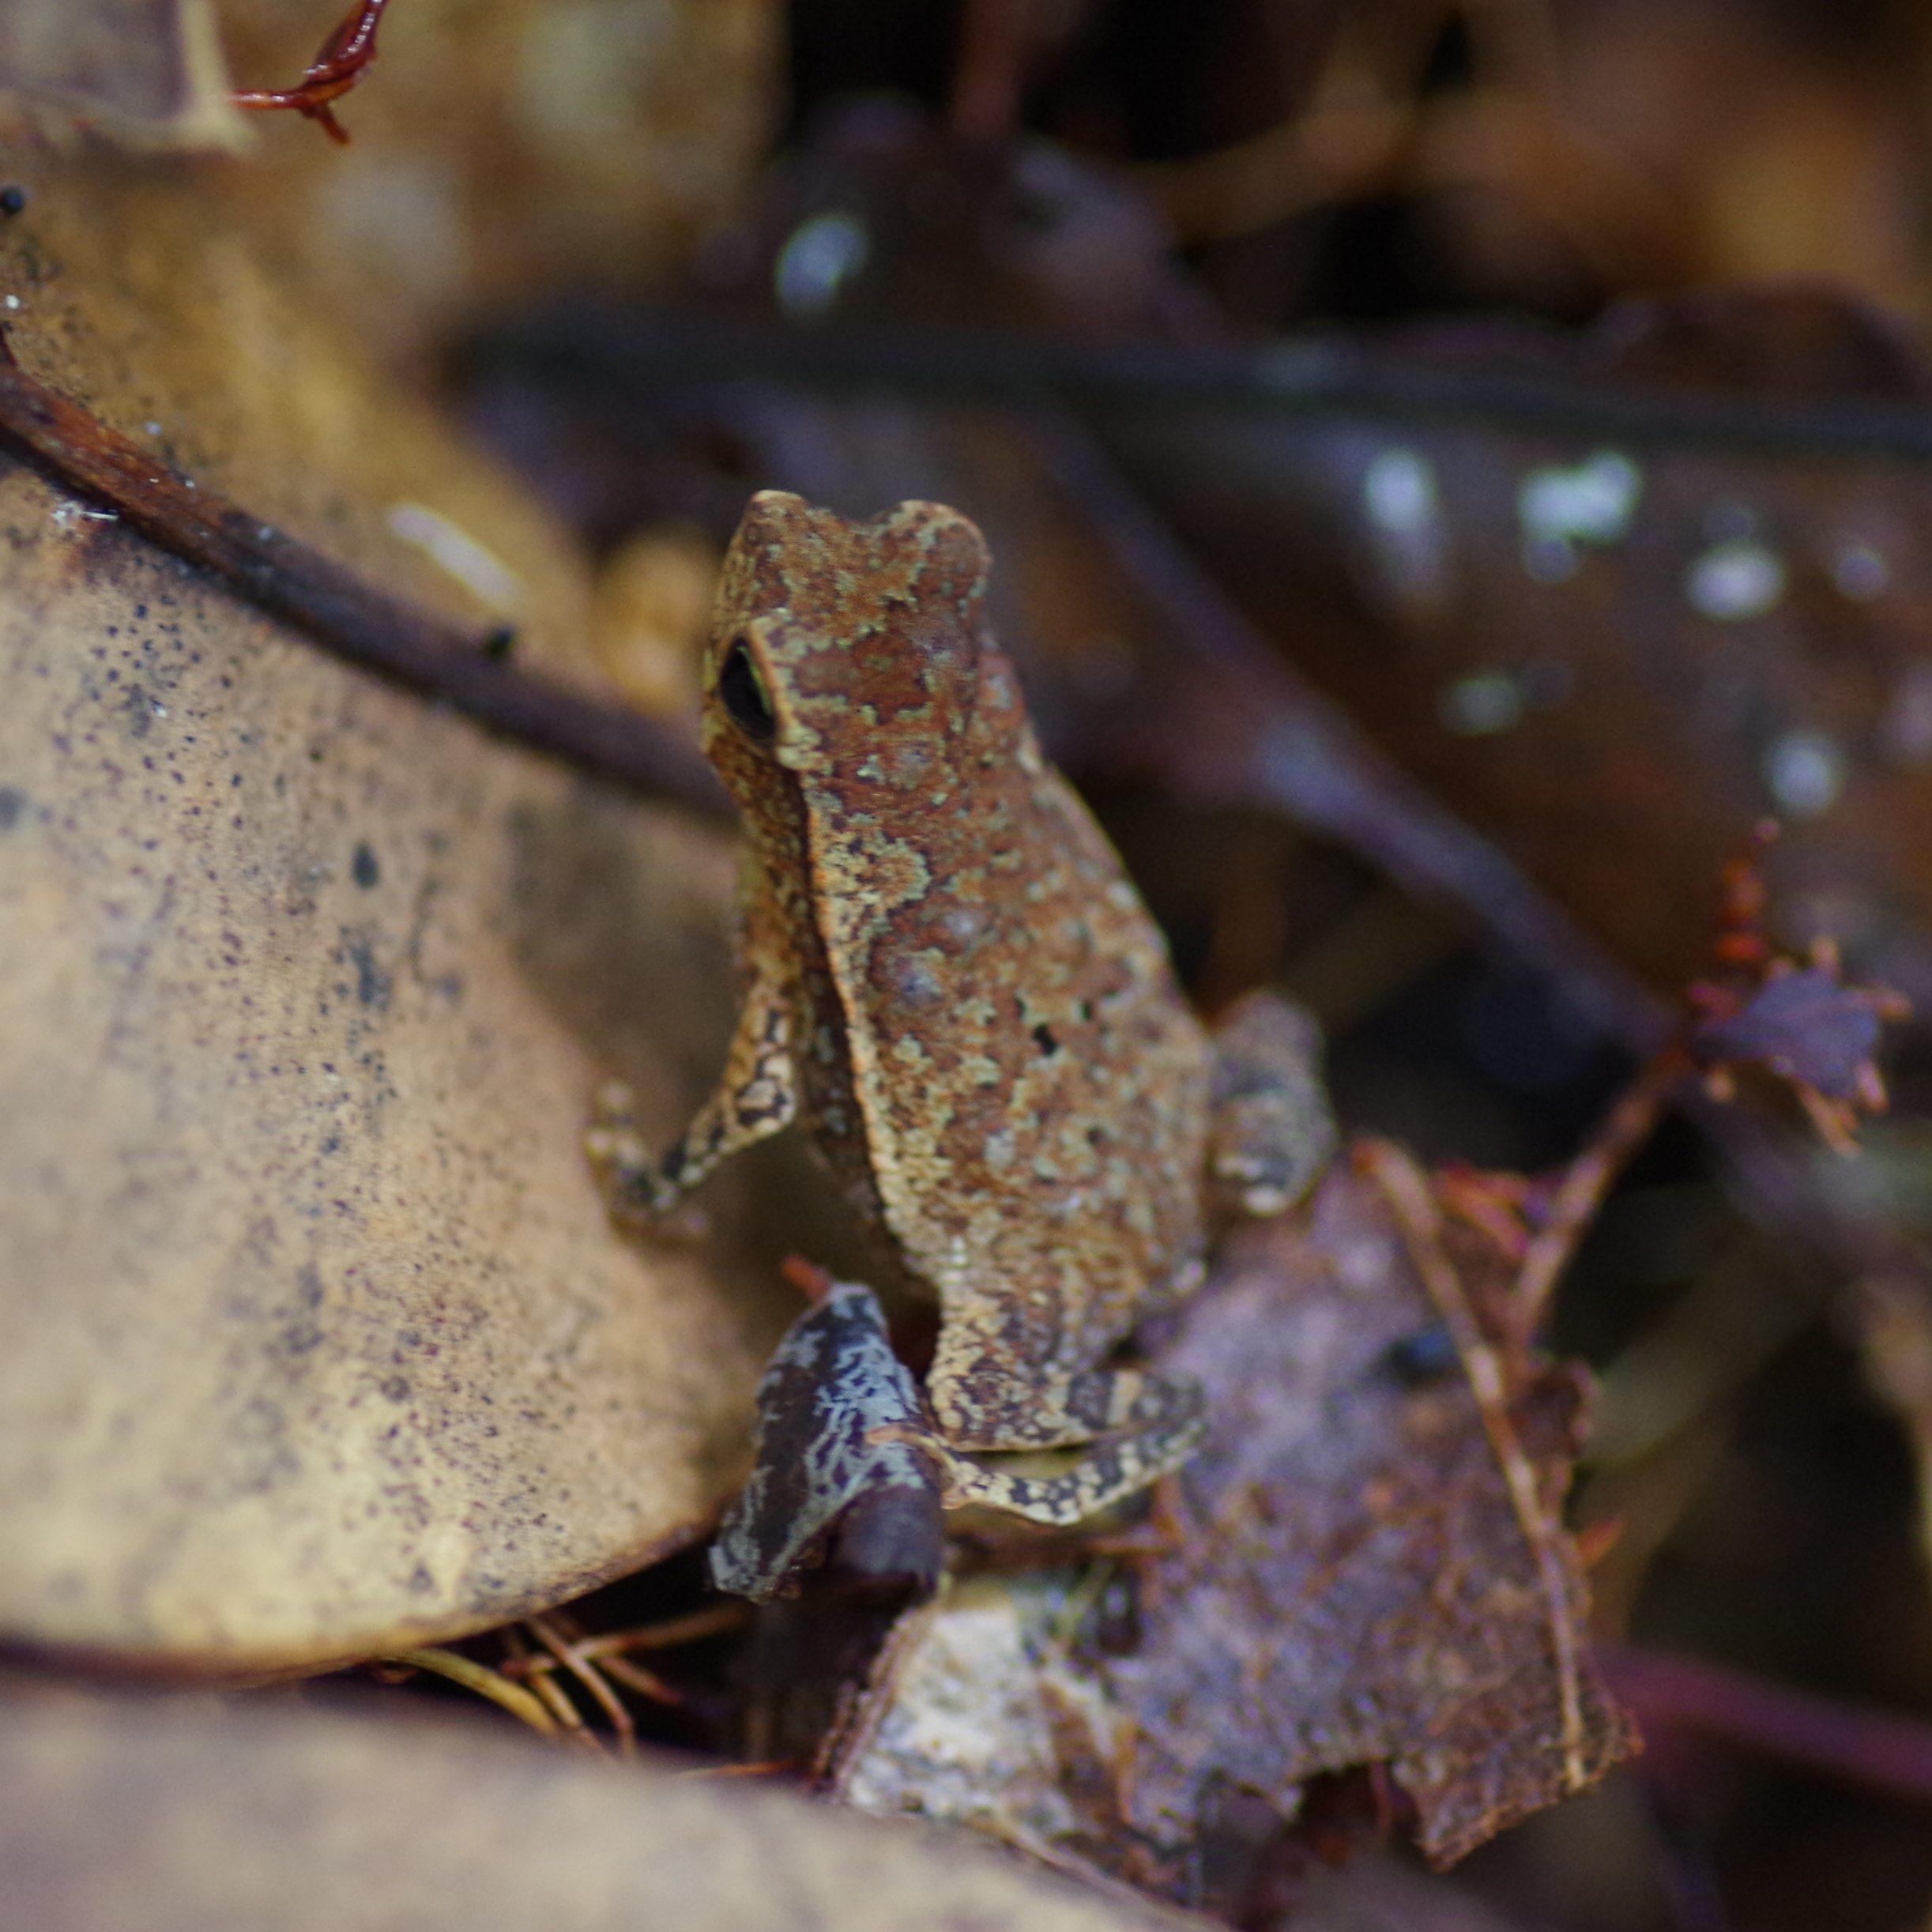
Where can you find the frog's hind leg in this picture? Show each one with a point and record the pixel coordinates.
(1270, 1132)
(1164, 1427)
(756, 1095)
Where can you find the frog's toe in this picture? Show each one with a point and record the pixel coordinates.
(1272, 1131)
(1169, 1422)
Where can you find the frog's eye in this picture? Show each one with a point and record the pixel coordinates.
(741, 691)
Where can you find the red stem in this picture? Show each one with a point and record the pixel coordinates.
(1871, 1748)
(340, 61)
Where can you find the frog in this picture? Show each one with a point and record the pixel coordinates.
(951, 983)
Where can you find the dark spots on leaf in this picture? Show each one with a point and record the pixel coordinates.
(1417, 1360)
(394, 1387)
(373, 985)
(364, 869)
(499, 644)
(1043, 1039)
(13, 199)
(13, 803)
(421, 1581)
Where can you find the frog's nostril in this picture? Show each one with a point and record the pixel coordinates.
(742, 692)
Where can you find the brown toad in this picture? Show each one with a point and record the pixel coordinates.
(952, 985)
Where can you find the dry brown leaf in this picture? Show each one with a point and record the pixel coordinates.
(1365, 1568)
(1611, 656)
(1354, 1583)
(292, 1820)
(318, 1340)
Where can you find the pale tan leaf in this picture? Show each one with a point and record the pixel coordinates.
(318, 1340)
(306, 1820)
(149, 72)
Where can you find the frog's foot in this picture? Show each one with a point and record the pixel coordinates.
(1164, 1427)
(1272, 1132)
(844, 1455)
(625, 1168)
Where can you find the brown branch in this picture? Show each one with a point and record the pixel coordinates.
(1875, 1749)
(607, 351)
(342, 61)
(336, 607)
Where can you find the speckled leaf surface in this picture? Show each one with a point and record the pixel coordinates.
(318, 1341)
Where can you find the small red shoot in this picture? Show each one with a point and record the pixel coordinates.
(339, 64)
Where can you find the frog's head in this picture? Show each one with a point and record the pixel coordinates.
(854, 656)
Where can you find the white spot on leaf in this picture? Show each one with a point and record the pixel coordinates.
(1484, 702)
(819, 256)
(479, 572)
(1590, 504)
(1805, 773)
(1733, 580)
(1860, 572)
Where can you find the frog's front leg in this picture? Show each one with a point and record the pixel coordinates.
(756, 1096)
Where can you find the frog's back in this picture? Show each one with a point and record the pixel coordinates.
(1011, 1073)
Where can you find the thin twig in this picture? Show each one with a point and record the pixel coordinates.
(1406, 1188)
(541, 1673)
(634, 1677)
(481, 1679)
(562, 1645)
(332, 605)
(1588, 1178)
(710, 1622)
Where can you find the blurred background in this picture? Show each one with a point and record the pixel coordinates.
(1453, 469)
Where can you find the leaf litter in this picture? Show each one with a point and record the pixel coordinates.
(1366, 1567)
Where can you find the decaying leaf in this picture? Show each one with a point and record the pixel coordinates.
(292, 1820)
(319, 1340)
(499, 147)
(148, 71)
(1365, 1566)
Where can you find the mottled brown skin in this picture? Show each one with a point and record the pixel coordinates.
(952, 985)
